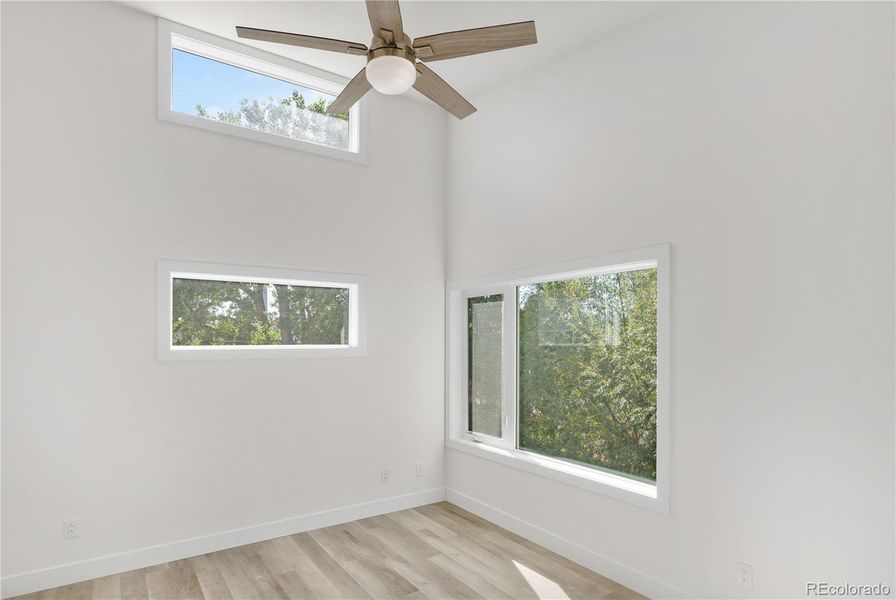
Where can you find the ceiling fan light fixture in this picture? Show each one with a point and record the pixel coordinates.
(391, 74)
(396, 63)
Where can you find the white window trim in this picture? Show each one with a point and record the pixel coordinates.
(173, 35)
(168, 270)
(505, 451)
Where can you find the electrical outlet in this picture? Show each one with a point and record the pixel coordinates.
(419, 469)
(745, 575)
(385, 476)
(70, 529)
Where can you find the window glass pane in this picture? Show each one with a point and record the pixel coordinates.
(227, 313)
(220, 92)
(587, 370)
(484, 322)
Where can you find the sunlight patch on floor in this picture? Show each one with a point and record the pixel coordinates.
(544, 588)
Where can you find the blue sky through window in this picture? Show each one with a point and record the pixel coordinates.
(218, 86)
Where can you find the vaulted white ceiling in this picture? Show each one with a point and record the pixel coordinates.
(562, 27)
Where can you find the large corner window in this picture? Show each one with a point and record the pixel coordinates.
(209, 311)
(233, 88)
(563, 371)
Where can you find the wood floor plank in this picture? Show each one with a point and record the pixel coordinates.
(432, 581)
(338, 577)
(474, 580)
(286, 556)
(334, 543)
(434, 552)
(107, 588)
(358, 543)
(380, 581)
(237, 581)
(294, 586)
(461, 526)
(401, 555)
(263, 580)
(161, 584)
(246, 575)
(545, 566)
(210, 579)
(133, 585)
(401, 539)
(496, 570)
(375, 539)
(76, 591)
(416, 521)
(185, 580)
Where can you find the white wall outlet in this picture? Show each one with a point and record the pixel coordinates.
(745, 576)
(385, 476)
(70, 529)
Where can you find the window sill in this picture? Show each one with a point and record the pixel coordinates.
(616, 486)
(253, 352)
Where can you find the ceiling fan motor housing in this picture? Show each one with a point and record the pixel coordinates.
(387, 47)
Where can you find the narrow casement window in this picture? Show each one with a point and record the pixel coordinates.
(484, 364)
(228, 311)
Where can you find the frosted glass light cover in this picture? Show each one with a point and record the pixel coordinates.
(391, 74)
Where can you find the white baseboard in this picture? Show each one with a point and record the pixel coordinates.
(32, 581)
(617, 571)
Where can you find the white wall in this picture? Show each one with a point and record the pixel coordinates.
(95, 188)
(757, 138)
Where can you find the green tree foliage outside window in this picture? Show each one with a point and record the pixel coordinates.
(290, 117)
(227, 313)
(587, 371)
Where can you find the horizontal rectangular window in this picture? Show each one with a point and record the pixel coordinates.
(226, 311)
(570, 379)
(247, 313)
(233, 88)
(221, 92)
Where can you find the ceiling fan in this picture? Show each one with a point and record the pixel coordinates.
(392, 59)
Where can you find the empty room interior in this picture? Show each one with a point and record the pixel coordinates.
(451, 299)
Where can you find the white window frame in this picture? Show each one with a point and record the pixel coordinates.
(168, 270)
(505, 450)
(175, 36)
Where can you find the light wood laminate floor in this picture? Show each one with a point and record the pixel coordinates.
(438, 551)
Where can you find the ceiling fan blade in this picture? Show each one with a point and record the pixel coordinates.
(385, 20)
(353, 92)
(436, 89)
(305, 41)
(475, 41)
